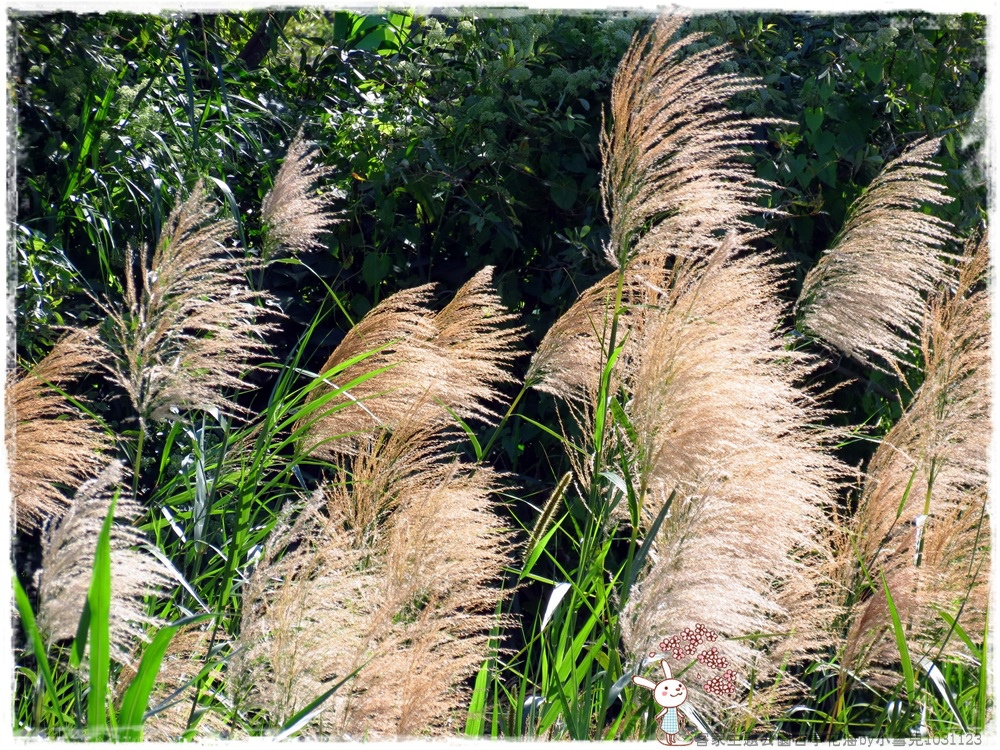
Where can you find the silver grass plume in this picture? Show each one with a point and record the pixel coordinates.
(192, 321)
(569, 360)
(866, 295)
(922, 521)
(722, 423)
(51, 444)
(392, 565)
(718, 418)
(295, 215)
(449, 362)
(674, 175)
(406, 592)
(68, 549)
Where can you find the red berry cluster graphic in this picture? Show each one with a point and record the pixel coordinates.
(686, 642)
(712, 658)
(724, 683)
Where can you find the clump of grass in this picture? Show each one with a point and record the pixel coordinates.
(724, 432)
(391, 569)
(189, 650)
(389, 572)
(922, 520)
(678, 383)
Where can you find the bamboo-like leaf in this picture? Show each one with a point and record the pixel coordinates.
(476, 720)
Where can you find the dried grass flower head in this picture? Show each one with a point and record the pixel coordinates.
(393, 566)
(392, 569)
(674, 168)
(922, 521)
(68, 549)
(295, 214)
(51, 444)
(866, 295)
(192, 323)
(724, 432)
(449, 363)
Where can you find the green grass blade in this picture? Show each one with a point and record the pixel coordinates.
(475, 724)
(960, 632)
(983, 702)
(99, 600)
(904, 651)
(941, 685)
(80, 641)
(132, 716)
(647, 543)
(37, 645)
(307, 714)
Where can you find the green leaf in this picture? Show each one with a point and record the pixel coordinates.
(564, 192)
(873, 69)
(307, 714)
(539, 547)
(80, 641)
(374, 268)
(904, 651)
(99, 601)
(960, 631)
(132, 716)
(814, 117)
(824, 141)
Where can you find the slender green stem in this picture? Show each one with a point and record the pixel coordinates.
(137, 466)
(506, 416)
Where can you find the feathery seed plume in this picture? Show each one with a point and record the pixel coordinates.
(721, 422)
(294, 214)
(51, 443)
(674, 176)
(408, 599)
(449, 362)
(391, 567)
(192, 323)
(568, 361)
(866, 294)
(922, 520)
(68, 549)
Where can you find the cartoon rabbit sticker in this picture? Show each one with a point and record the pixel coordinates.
(670, 694)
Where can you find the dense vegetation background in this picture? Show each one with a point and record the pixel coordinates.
(456, 142)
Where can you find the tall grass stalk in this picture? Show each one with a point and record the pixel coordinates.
(922, 519)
